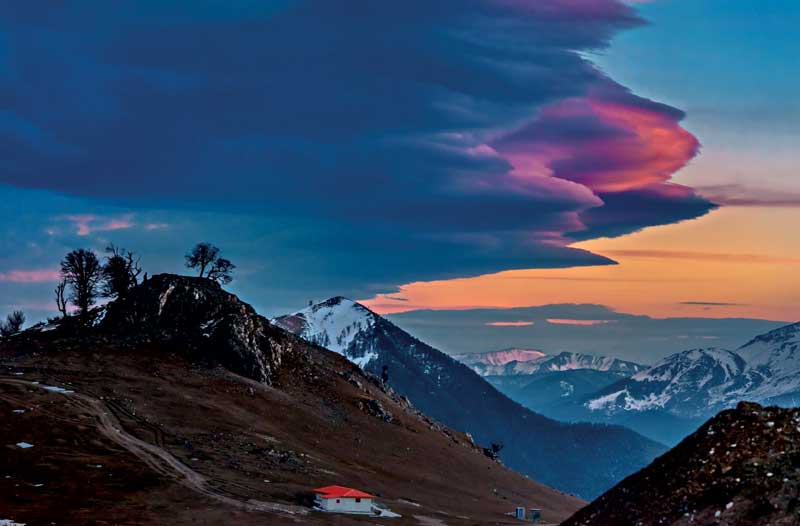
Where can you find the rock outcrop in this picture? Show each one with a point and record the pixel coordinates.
(198, 315)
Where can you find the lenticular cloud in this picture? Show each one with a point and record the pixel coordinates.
(474, 129)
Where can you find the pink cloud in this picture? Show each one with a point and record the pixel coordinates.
(29, 276)
(86, 224)
(609, 141)
(587, 323)
(509, 323)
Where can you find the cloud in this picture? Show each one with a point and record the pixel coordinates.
(30, 276)
(509, 323)
(738, 195)
(86, 224)
(638, 338)
(711, 303)
(582, 323)
(703, 256)
(432, 141)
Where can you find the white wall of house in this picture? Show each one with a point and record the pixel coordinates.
(345, 505)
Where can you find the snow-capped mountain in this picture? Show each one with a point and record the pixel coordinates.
(583, 459)
(339, 325)
(685, 384)
(695, 384)
(499, 358)
(507, 363)
(773, 367)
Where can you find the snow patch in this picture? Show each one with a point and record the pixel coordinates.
(56, 389)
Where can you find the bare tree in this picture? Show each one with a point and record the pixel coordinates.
(121, 272)
(205, 258)
(13, 323)
(202, 257)
(61, 299)
(82, 272)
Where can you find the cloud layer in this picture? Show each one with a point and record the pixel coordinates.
(429, 138)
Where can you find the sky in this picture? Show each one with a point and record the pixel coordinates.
(414, 155)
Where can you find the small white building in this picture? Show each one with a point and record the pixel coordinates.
(339, 499)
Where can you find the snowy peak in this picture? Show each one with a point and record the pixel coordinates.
(338, 324)
(514, 362)
(570, 361)
(694, 364)
(500, 357)
(778, 350)
(688, 384)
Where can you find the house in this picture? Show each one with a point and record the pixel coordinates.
(340, 499)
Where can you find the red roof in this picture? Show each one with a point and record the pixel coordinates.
(337, 492)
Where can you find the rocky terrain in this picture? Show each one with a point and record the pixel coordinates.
(582, 459)
(741, 468)
(180, 405)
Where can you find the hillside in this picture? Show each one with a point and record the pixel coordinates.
(183, 406)
(739, 469)
(583, 459)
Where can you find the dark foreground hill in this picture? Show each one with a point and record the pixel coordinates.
(584, 459)
(183, 406)
(741, 468)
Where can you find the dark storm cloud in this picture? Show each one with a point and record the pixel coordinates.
(397, 133)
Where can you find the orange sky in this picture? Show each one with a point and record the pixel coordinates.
(745, 257)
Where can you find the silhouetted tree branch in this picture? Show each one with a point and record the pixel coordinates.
(120, 273)
(61, 299)
(82, 272)
(205, 258)
(13, 323)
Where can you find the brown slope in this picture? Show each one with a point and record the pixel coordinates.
(181, 442)
(741, 468)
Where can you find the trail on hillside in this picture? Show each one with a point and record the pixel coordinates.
(155, 456)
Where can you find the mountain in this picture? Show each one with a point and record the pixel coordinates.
(739, 469)
(773, 366)
(682, 390)
(581, 459)
(684, 384)
(495, 364)
(181, 405)
(482, 360)
(552, 393)
(548, 384)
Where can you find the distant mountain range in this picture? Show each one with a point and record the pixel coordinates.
(688, 387)
(545, 383)
(510, 362)
(486, 360)
(583, 459)
(666, 401)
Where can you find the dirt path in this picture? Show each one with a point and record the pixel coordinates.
(155, 456)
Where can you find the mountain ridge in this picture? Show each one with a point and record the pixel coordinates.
(692, 385)
(567, 456)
